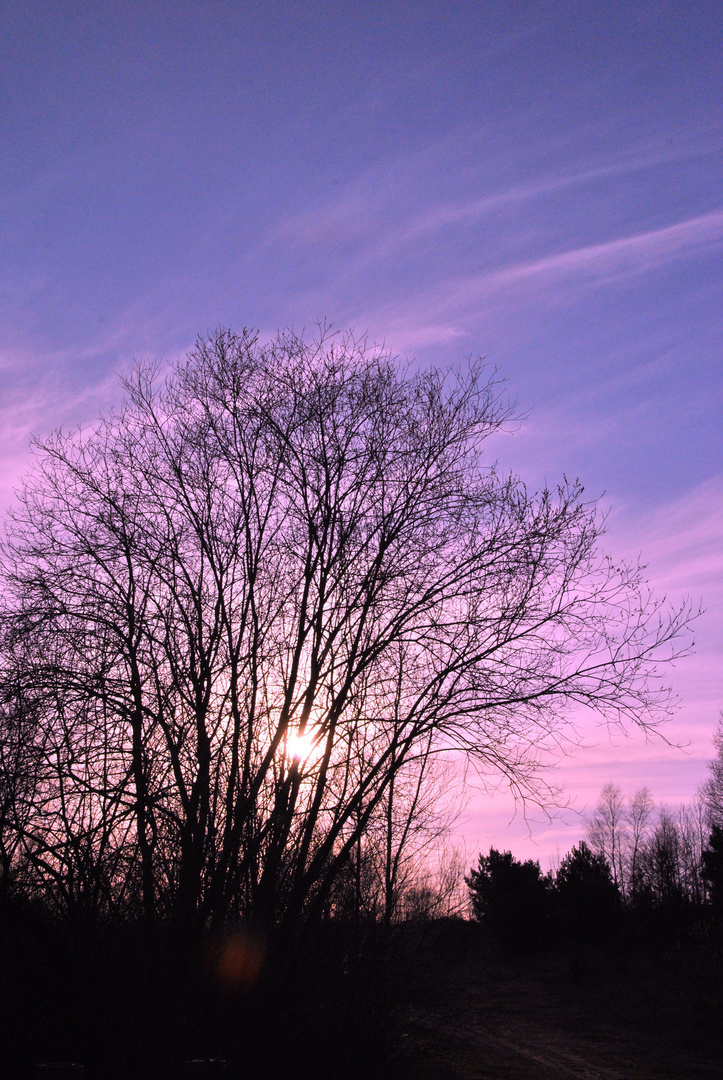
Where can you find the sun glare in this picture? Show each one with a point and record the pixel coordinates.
(302, 747)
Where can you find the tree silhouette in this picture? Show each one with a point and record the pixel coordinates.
(587, 896)
(713, 866)
(607, 831)
(278, 546)
(510, 898)
(712, 789)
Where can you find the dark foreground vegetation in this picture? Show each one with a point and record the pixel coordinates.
(123, 1005)
(431, 1000)
(583, 972)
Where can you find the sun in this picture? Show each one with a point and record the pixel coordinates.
(302, 747)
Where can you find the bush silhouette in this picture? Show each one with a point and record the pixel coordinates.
(510, 898)
(587, 899)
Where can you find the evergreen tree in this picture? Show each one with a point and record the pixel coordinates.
(713, 866)
(587, 897)
(510, 897)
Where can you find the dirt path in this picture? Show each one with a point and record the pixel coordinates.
(521, 1025)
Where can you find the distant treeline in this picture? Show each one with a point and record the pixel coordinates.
(657, 856)
(642, 867)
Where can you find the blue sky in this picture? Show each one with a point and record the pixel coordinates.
(538, 183)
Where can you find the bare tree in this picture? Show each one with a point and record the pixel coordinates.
(19, 768)
(419, 809)
(712, 789)
(440, 884)
(661, 861)
(693, 835)
(404, 864)
(658, 851)
(640, 813)
(607, 832)
(291, 546)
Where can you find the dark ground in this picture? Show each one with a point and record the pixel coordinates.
(574, 1014)
(439, 1002)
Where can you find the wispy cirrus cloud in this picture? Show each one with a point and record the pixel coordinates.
(50, 405)
(471, 211)
(634, 254)
(401, 189)
(419, 261)
(683, 543)
(440, 314)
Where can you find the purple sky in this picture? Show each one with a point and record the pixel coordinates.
(538, 183)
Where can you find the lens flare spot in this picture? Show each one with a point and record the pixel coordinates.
(238, 960)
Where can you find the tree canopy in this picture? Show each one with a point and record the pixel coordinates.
(511, 898)
(242, 611)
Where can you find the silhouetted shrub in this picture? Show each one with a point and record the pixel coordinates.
(586, 898)
(510, 898)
